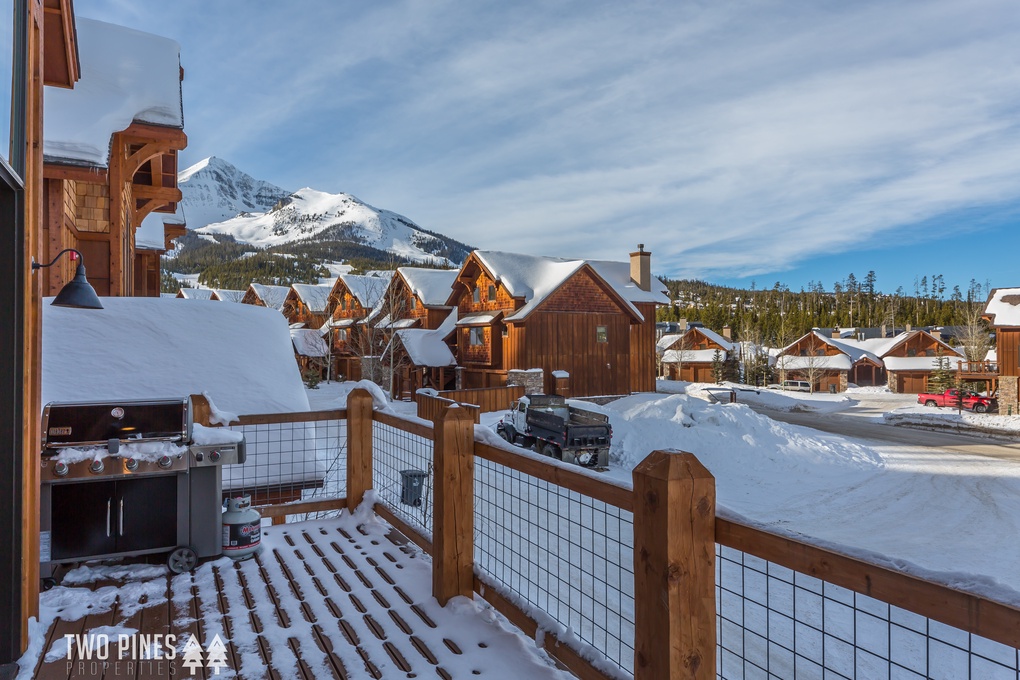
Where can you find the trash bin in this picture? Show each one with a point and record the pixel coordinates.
(411, 482)
(832, 389)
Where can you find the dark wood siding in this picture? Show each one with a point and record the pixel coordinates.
(1008, 350)
(560, 341)
(642, 351)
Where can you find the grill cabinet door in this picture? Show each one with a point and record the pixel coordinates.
(146, 513)
(83, 520)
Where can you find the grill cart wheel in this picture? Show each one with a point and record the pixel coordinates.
(181, 560)
(47, 583)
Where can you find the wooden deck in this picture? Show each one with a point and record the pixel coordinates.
(323, 599)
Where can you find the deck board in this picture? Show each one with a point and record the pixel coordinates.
(323, 599)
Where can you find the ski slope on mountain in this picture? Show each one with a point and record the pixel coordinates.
(214, 190)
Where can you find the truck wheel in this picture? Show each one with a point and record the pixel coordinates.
(508, 433)
(551, 450)
(980, 408)
(930, 402)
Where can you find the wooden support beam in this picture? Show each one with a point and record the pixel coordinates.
(359, 446)
(453, 508)
(674, 568)
(76, 173)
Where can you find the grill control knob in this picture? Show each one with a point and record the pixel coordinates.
(96, 466)
(164, 462)
(214, 456)
(199, 456)
(60, 469)
(131, 464)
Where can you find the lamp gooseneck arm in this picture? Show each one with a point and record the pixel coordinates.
(81, 259)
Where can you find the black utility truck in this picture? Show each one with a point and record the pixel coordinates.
(550, 426)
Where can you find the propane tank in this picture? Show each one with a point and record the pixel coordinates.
(242, 528)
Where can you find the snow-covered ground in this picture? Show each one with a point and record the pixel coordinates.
(936, 514)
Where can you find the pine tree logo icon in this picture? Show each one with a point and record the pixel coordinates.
(216, 655)
(192, 655)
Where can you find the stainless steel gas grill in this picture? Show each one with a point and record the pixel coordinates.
(127, 478)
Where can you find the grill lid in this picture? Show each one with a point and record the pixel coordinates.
(90, 423)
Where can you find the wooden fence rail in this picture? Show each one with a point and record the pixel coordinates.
(488, 399)
(430, 407)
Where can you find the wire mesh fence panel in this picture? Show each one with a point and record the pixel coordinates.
(402, 474)
(558, 554)
(289, 462)
(777, 623)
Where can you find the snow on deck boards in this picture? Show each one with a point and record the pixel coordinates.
(327, 598)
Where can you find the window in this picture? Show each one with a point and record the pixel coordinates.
(803, 352)
(819, 352)
(476, 336)
(911, 352)
(492, 293)
(343, 303)
(506, 330)
(601, 334)
(476, 294)
(414, 303)
(341, 335)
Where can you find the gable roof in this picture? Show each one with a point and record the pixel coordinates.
(367, 290)
(431, 286)
(427, 347)
(308, 342)
(195, 293)
(1003, 307)
(272, 296)
(316, 297)
(228, 295)
(534, 278)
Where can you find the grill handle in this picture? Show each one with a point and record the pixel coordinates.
(109, 504)
(121, 518)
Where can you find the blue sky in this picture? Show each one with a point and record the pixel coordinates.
(740, 141)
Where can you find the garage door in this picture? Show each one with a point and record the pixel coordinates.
(910, 383)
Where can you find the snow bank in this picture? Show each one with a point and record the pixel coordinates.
(143, 348)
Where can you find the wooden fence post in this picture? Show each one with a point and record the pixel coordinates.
(359, 446)
(674, 568)
(453, 505)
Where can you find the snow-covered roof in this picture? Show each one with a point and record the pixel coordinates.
(535, 278)
(714, 337)
(674, 356)
(920, 363)
(152, 234)
(836, 362)
(426, 347)
(141, 347)
(195, 293)
(316, 297)
(228, 295)
(667, 340)
(1004, 307)
(482, 319)
(617, 274)
(431, 286)
(367, 289)
(308, 342)
(272, 296)
(126, 76)
(385, 322)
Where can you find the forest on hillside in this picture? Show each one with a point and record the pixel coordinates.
(776, 316)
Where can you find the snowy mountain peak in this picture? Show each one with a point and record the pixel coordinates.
(215, 190)
(221, 199)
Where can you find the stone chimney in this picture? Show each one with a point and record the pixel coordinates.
(641, 268)
(727, 333)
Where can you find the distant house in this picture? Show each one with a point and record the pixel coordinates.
(195, 294)
(227, 295)
(1003, 312)
(593, 320)
(306, 303)
(691, 355)
(910, 358)
(351, 300)
(262, 295)
(816, 359)
(423, 358)
(414, 298)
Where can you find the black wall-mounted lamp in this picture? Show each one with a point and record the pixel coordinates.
(77, 292)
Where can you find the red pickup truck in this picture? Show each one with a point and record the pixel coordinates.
(971, 400)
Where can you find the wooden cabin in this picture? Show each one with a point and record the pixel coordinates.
(1003, 313)
(520, 312)
(84, 175)
(691, 355)
(228, 295)
(415, 298)
(422, 358)
(910, 358)
(351, 300)
(194, 294)
(816, 359)
(110, 160)
(307, 303)
(263, 295)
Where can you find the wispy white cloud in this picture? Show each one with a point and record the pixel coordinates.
(733, 138)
